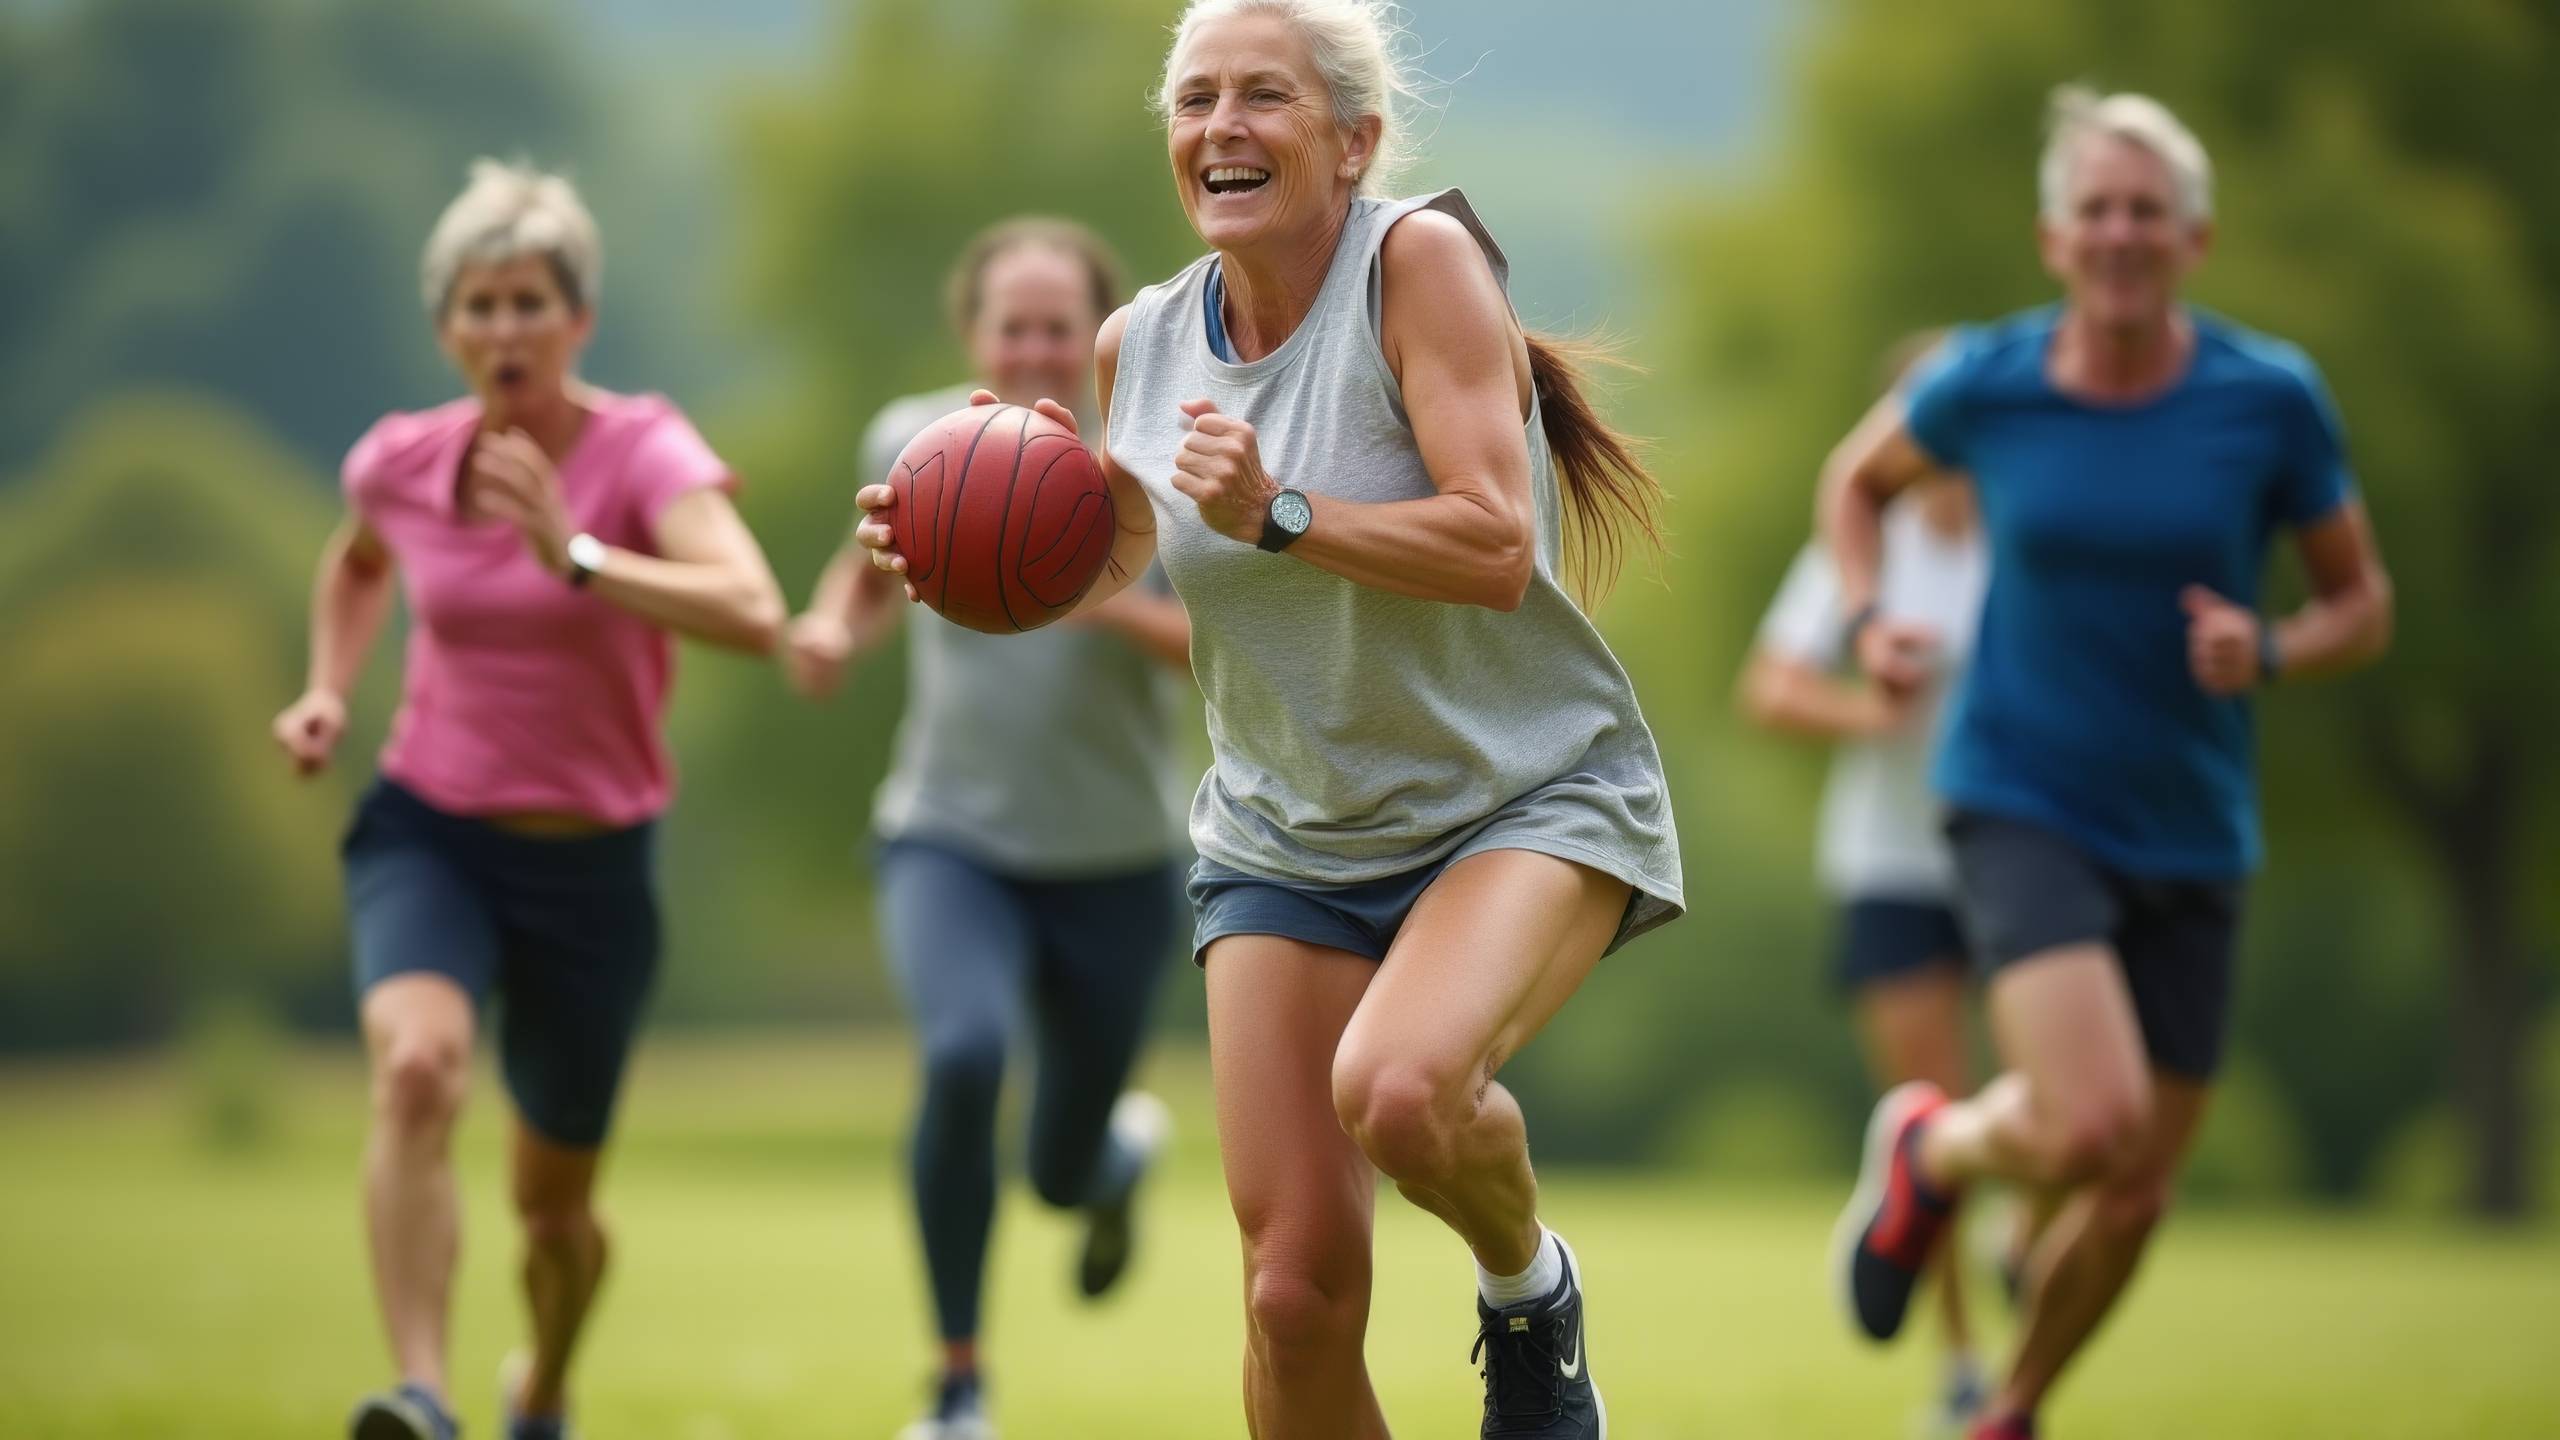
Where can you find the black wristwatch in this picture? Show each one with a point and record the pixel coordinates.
(2270, 658)
(1284, 520)
(1859, 619)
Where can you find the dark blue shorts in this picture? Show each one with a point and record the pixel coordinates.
(2027, 890)
(1886, 939)
(1362, 918)
(563, 931)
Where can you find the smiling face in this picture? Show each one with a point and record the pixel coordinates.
(2121, 247)
(1257, 157)
(1033, 334)
(511, 331)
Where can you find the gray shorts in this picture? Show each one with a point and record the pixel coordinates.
(2025, 890)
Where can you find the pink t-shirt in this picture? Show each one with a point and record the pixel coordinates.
(523, 694)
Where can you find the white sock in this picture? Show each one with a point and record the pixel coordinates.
(1546, 1270)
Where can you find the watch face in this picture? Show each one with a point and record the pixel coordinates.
(1290, 511)
(586, 552)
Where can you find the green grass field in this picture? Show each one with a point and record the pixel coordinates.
(152, 1285)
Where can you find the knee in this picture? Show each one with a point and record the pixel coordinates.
(2132, 1207)
(1061, 1183)
(2099, 1137)
(1303, 1305)
(965, 1067)
(419, 1083)
(1402, 1116)
(557, 1222)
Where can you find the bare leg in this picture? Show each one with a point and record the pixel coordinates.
(418, 1032)
(1304, 1196)
(564, 1258)
(2089, 1253)
(1488, 956)
(2076, 1099)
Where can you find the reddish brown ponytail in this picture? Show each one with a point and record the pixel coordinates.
(1607, 490)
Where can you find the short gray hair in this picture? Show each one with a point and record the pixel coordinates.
(1356, 47)
(507, 211)
(2078, 113)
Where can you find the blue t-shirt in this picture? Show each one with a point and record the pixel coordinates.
(2079, 712)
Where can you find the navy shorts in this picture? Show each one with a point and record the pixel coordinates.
(1362, 918)
(2027, 889)
(1886, 939)
(563, 931)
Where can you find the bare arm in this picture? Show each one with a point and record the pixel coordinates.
(708, 580)
(2347, 623)
(853, 609)
(1156, 624)
(2345, 626)
(1877, 461)
(1462, 364)
(1789, 696)
(350, 598)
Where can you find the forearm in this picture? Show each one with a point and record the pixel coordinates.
(859, 594)
(735, 606)
(1850, 520)
(1792, 699)
(1159, 627)
(350, 599)
(1457, 547)
(2334, 634)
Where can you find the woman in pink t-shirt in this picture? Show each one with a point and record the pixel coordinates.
(549, 536)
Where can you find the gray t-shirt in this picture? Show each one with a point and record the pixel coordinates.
(1045, 754)
(1359, 734)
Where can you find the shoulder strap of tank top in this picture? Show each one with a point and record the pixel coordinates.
(1452, 203)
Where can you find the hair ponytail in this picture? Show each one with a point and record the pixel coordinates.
(1600, 472)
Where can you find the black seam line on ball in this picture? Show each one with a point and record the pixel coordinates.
(959, 488)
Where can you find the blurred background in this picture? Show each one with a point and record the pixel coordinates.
(210, 218)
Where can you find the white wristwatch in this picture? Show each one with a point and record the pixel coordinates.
(586, 558)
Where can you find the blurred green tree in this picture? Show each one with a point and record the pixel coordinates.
(154, 851)
(2387, 198)
(231, 195)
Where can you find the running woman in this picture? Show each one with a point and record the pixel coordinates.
(1434, 805)
(549, 536)
(2135, 458)
(1883, 850)
(1026, 862)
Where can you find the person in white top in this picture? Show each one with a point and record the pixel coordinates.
(1882, 855)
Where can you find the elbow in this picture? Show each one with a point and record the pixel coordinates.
(760, 622)
(1503, 583)
(2381, 618)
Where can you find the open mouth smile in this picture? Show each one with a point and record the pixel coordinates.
(1235, 179)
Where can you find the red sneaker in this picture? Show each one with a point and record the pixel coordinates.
(1893, 1222)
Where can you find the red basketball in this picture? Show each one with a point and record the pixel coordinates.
(1003, 517)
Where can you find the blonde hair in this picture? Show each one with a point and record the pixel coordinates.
(507, 211)
(1356, 46)
(2078, 113)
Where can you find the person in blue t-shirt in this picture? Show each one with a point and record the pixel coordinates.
(2134, 459)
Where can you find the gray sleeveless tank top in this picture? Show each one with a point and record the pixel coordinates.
(1359, 734)
(1043, 756)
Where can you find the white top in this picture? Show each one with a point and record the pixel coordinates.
(1881, 820)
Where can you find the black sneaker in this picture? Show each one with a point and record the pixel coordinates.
(1141, 1124)
(412, 1412)
(1537, 1376)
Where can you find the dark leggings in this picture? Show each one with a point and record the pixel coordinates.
(978, 955)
